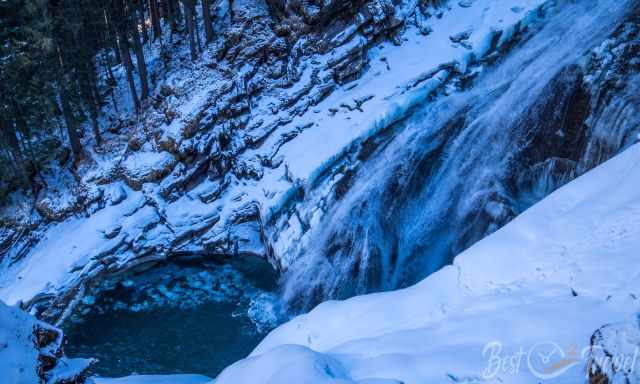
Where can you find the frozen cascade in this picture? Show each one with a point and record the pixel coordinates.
(464, 165)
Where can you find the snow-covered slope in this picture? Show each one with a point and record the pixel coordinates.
(520, 306)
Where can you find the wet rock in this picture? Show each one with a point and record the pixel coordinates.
(344, 184)
(556, 122)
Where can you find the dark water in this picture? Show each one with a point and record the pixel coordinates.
(174, 319)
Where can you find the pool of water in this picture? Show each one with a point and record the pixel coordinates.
(174, 319)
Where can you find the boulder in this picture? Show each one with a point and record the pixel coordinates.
(146, 167)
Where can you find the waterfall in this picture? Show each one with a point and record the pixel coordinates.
(464, 165)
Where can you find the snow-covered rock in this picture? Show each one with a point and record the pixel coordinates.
(520, 306)
(146, 167)
(30, 351)
(613, 353)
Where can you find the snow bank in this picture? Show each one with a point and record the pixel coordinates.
(153, 379)
(69, 246)
(539, 287)
(18, 355)
(30, 351)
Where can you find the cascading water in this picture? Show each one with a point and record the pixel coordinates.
(462, 166)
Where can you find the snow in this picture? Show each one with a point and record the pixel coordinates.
(18, 356)
(419, 57)
(153, 379)
(66, 370)
(144, 162)
(551, 277)
(64, 247)
(20, 353)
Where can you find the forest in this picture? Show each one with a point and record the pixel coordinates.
(57, 63)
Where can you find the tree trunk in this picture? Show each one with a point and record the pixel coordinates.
(112, 37)
(128, 65)
(142, 21)
(178, 11)
(171, 15)
(155, 19)
(72, 131)
(195, 26)
(119, 14)
(188, 12)
(87, 94)
(208, 23)
(9, 135)
(106, 64)
(142, 66)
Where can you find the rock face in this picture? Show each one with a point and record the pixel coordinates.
(31, 352)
